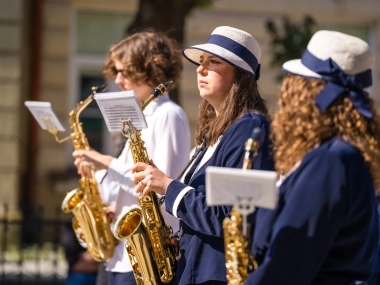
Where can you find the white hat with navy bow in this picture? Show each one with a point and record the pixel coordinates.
(344, 61)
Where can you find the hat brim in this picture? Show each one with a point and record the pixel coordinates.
(295, 66)
(193, 54)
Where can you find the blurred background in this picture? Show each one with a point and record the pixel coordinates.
(53, 50)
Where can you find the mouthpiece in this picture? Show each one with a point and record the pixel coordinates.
(255, 134)
(98, 88)
(168, 83)
(158, 91)
(161, 89)
(251, 148)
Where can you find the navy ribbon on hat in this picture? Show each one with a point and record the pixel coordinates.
(338, 83)
(237, 49)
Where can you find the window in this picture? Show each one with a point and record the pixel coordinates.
(91, 117)
(94, 33)
(97, 31)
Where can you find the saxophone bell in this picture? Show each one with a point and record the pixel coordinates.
(72, 199)
(127, 223)
(130, 226)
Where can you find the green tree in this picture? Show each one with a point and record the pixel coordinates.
(167, 16)
(289, 41)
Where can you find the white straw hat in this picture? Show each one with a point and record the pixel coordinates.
(232, 45)
(350, 53)
(342, 60)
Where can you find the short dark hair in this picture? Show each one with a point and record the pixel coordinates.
(149, 57)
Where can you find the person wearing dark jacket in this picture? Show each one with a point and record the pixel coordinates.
(326, 139)
(82, 268)
(231, 107)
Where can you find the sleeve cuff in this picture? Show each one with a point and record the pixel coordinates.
(174, 195)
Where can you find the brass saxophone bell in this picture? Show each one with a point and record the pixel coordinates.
(127, 223)
(72, 199)
(130, 226)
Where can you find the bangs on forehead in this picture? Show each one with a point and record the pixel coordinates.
(205, 54)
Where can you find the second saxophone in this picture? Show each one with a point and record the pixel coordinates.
(239, 260)
(152, 256)
(90, 222)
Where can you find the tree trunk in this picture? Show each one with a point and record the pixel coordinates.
(166, 16)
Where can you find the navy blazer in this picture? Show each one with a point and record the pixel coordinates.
(325, 228)
(201, 244)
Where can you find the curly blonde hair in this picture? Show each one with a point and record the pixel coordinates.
(300, 125)
(148, 57)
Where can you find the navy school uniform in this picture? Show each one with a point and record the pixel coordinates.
(375, 277)
(325, 228)
(201, 244)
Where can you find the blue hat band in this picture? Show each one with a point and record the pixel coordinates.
(236, 48)
(338, 83)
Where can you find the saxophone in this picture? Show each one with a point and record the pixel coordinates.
(239, 260)
(90, 222)
(152, 256)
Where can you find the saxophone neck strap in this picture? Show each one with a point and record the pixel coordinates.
(198, 150)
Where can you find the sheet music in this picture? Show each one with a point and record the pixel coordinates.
(43, 111)
(117, 106)
(229, 186)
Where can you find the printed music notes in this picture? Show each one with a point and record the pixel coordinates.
(44, 115)
(119, 106)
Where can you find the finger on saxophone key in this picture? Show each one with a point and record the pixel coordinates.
(140, 187)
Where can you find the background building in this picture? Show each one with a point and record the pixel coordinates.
(53, 50)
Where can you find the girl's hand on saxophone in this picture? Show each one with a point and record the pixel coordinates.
(147, 177)
(87, 160)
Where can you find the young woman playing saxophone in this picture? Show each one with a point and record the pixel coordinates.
(141, 62)
(231, 107)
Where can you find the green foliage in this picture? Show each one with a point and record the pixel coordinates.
(289, 41)
(199, 4)
(202, 4)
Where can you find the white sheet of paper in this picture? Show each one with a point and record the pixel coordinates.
(228, 186)
(43, 110)
(116, 106)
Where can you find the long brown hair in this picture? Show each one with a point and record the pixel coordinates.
(299, 125)
(242, 97)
